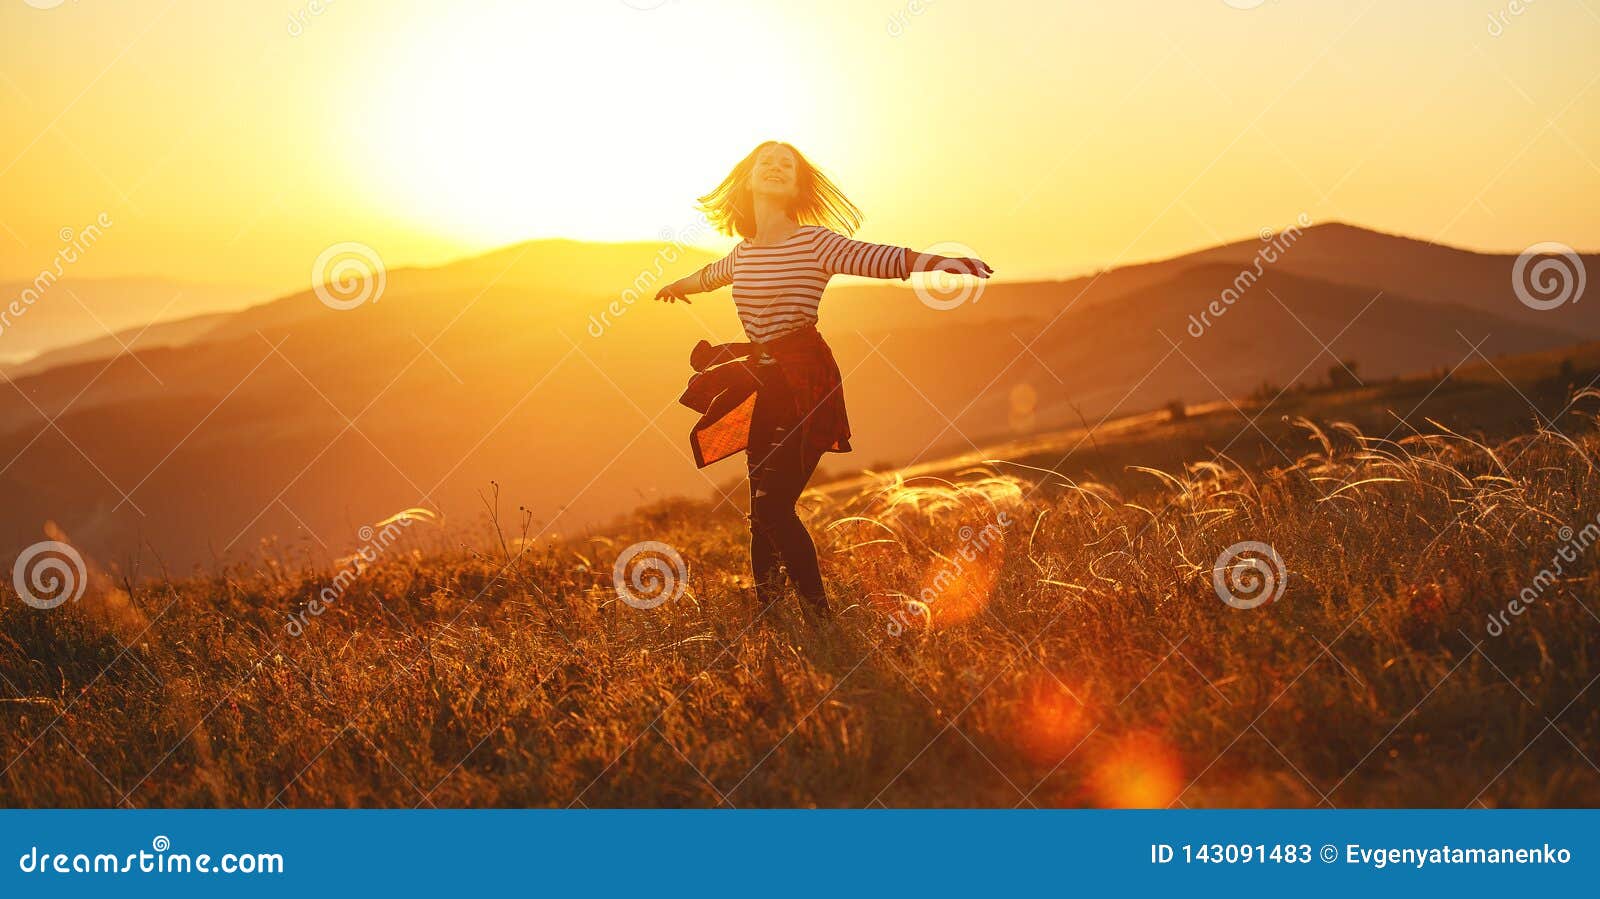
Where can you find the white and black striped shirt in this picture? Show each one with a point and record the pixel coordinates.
(778, 288)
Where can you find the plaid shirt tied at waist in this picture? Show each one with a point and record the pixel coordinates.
(802, 376)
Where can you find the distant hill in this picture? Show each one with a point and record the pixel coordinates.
(530, 367)
(556, 268)
(1428, 271)
(144, 337)
(74, 311)
(1335, 252)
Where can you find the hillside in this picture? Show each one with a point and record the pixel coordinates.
(1004, 638)
(300, 421)
(1334, 252)
(79, 314)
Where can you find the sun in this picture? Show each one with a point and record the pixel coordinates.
(597, 124)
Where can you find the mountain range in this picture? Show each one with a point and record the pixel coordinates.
(66, 318)
(544, 368)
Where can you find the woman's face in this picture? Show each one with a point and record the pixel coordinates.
(776, 173)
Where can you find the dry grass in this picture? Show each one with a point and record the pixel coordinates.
(1072, 654)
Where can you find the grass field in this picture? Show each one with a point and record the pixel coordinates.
(1005, 635)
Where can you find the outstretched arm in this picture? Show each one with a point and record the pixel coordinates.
(955, 265)
(843, 256)
(717, 274)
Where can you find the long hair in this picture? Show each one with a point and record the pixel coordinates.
(731, 207)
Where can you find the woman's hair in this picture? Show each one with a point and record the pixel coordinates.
(818, 201)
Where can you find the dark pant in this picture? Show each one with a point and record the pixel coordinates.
(780, 464)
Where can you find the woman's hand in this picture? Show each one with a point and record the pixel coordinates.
(955, 265)
(966, 265)
(674, 292)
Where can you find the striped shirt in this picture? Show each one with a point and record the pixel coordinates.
(778, 288)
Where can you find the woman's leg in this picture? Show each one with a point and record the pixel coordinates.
(765, 559)
(773, 497)
(780, 465)
(765, 568)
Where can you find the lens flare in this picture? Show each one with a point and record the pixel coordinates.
(1024, 403)
(958, 586)
(1138, 770)
(1052, 721)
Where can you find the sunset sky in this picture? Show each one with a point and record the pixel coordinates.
(232, 142)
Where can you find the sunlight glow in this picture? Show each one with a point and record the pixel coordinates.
(1139, 770)
(608, 133)
(1053, 722)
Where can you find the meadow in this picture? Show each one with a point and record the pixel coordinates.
(1008, 632)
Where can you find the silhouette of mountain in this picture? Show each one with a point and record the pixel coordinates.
(1429, 271)
(67, 311)
(145, 337)
(1335, 252)
(531, 367)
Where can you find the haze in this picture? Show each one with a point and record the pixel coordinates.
(231, 143)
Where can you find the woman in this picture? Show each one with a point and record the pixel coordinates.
(783, 403)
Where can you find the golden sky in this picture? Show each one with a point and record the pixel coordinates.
(235, 141)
